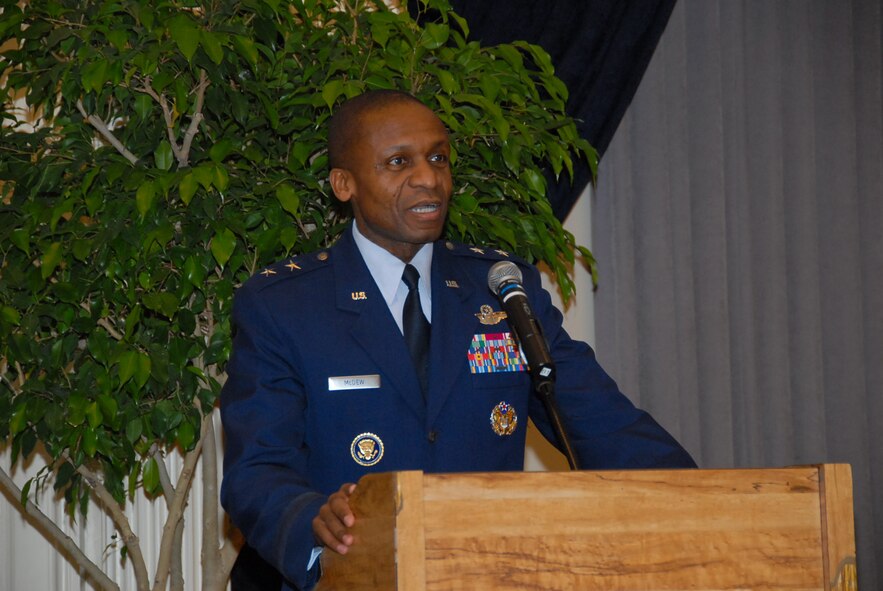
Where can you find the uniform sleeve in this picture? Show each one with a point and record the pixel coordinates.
(265, 489)
(606, 429)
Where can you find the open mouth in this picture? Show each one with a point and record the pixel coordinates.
(426, 208)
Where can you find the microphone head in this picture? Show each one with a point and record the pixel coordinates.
(503, 272)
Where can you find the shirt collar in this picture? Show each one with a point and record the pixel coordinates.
(387, 269)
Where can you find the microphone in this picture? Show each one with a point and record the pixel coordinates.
(504, 280)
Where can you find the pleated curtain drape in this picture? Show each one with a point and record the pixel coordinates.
(738, 224)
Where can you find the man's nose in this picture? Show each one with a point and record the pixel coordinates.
(424, 174)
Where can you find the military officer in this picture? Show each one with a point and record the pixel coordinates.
(325, 383)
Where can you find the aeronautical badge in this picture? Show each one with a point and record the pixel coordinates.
(486, 315)
(503, 419)
(366, 449)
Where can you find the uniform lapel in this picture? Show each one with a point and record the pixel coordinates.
(453, 325)
(373, 326)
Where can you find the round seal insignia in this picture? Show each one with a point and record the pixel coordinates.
(503, 419)
(366, 449)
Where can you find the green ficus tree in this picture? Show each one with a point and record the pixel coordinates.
(153, 156)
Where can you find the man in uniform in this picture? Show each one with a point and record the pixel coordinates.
(387, 352)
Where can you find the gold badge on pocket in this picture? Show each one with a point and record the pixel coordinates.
(503, 419)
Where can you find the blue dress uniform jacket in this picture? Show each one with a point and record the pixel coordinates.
(292, 439)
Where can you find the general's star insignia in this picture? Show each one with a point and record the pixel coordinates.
(501, 252)
(268, 272)
(476, 249)
(292, 266)
(486, 315)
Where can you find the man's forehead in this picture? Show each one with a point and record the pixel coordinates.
(399, 114)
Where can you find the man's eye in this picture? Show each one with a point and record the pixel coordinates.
(439, 159)
(397, 161)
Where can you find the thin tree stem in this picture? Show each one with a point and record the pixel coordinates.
(55, 535)
(106, 133)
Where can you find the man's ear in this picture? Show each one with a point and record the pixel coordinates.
(342, 183)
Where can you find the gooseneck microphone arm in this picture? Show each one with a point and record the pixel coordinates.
(504, 280)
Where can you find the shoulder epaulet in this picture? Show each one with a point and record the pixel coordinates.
(481, 252)
(290, 268)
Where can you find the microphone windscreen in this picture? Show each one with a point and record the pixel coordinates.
(503, 272)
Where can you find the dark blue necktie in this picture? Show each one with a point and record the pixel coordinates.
(416, 328)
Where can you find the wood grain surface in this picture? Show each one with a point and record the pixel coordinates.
(708, 530)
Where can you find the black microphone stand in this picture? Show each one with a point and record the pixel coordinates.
(545, 389)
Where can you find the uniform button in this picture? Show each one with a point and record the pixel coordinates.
(432, 436)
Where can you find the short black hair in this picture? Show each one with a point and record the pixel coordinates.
(344, 126)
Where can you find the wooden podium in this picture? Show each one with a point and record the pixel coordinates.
(789, 528)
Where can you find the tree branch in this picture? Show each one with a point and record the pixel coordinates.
(119, 518)
(168, 489)
(47, 527)
(210, 530)
(166, 114)
(107, 134)
(176, 566)
(184, 159)
(176, 512)
(182, 152)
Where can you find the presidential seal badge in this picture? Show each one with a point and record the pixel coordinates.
(503, 419)
(366, 449)
(487, 316)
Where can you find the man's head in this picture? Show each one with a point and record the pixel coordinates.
(389, 157)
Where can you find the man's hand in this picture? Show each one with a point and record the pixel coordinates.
(335, 518)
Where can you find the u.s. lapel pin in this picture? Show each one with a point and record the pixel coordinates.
(487, 316)
(452, 283)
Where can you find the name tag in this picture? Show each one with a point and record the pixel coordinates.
(366, 382)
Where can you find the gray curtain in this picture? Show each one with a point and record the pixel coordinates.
(738, 222)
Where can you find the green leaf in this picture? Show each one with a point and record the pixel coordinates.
(246, 48)
(144, 197)
(128, 365)
(134, 428)
(288, 198)
(18, 420)
(194, 272)
(90, 441)
(50, 260)
(222, 246)
(109, 409)
(185, 34)
(93, 414)
(10, 315)
(220, 150)
(143, 105)
(220, 178)
(186, 435)
(211, 44)
(204, 174)
(163, 302)
(21, 237)
(142, 373)
(187, 187)
(94, 75)
(331, 91)
(163, 156)
(150, 476)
